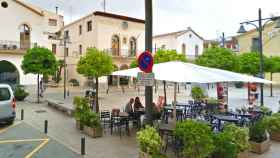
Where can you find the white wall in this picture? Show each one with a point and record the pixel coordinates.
(28, 79)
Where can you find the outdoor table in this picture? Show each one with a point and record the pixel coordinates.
(166, 110)
(224, 118)
(247, 115)
(124, 116)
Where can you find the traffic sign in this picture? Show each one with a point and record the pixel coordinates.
(145, 79)
(146, 62)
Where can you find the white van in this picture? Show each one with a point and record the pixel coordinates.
(7, 104)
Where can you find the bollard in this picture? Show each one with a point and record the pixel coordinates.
(22, 114)
(83, 144)
(46, 126)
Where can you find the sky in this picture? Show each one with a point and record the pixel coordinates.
(209, 18)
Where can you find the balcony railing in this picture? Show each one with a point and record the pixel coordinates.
(125, 53)
(15, 45)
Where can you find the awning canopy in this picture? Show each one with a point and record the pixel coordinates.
(181, 72)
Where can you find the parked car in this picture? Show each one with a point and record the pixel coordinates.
(7, 104)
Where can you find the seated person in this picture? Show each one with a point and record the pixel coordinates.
(128, 106)
(156, 112)
(137, 104)
(160, 103)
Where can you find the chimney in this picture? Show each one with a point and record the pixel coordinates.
(56, 9)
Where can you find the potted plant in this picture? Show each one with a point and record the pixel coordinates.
(20, 93)
(258, 137)
(150, 143)
(273, 126)
(196, 137)
(240, 137)
(224, 147)
(81, 108)
(92, 125)
(197, 93)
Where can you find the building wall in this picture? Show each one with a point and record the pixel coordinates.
(191, 41)
(16, 15)
(103, 29)
(168, 41)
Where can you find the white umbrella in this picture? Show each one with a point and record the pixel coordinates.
(180, 72)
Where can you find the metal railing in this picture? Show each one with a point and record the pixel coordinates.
(15, 45)
(125, 53)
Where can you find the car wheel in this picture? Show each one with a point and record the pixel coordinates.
(10, 122)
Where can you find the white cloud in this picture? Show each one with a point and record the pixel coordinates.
(207, 17)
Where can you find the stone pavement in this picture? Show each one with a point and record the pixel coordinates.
(62, 128)
(22, 141)
(116, 99)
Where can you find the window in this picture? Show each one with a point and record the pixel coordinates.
(196, 50)
(80, 49)
(67, 52)
(52, 22)
(54, 48)
(89, 26)
(80, 29)
(4, 94)
(255, 45)
(66, 33)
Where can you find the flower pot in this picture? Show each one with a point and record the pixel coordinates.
(79, 126)
(244, 154)
(93, 132)
(260, 148)
(144, 155)
(275, 136)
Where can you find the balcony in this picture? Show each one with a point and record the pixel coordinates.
(121, 53)
(15, 46)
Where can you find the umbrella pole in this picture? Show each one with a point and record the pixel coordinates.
(164, 91)
(174, 102)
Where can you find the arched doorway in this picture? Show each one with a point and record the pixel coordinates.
(124, 80)
(8, 73)
(184, 48)
(115, 45)
(25, 36)
(196, 50)
(132, 46)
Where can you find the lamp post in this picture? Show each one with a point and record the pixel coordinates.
(260, 27)
(63, 42)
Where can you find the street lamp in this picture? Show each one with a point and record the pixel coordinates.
(63, 41)
(260, 28)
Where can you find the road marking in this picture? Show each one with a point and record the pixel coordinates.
(5, 129)
(37, 148)
(20, 141)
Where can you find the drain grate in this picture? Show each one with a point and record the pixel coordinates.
(40, 111)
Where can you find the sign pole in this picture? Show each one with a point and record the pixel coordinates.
(149, 47)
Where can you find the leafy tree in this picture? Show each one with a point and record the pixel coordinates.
(272, 65)
(38, 61)
(249, 63)
(57, 76)
(95, 64)
(162, 56)
(134, 63)
(220, 58)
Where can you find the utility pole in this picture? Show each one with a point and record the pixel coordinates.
(223, 40)
(261, 52)
(149, 47)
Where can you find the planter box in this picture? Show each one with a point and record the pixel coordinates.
(93, 132)
(79, 126)
(244, 154)
(260, 148)
(144, 155)
(275, 136)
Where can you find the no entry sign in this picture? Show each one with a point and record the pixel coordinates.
(146, 62)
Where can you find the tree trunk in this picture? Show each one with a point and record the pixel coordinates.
(58, 74)
(164, 91)
(38, 89)
(271, 90)
(96, 96)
